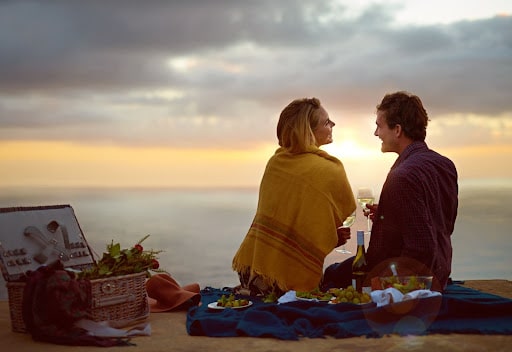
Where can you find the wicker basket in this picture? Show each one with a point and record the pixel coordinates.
(15, 292)
(122, 300)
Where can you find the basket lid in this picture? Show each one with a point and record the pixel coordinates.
(39, 235)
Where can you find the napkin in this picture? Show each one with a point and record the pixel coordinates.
(102, 328)
(392, 295)
(387, 296)
(289, 296)
(420, 294)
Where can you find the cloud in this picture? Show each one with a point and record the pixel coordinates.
(217, 73)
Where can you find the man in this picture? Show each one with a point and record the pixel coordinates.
(415, 216)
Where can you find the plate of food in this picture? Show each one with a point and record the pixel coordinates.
(349, 295)
(315, 295)
(406, 284)
(231, 301)
(361, 304)
(313, 299)
(244, 304)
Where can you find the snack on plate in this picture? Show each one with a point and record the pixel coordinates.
(349, 295)
(406, 284)
(314, 294)
(232, 302)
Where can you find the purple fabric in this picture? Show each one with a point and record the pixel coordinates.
(53, 299)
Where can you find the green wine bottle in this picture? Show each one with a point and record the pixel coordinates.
(359, 265)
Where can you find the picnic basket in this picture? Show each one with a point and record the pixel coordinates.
(119, 297)
(121, 300)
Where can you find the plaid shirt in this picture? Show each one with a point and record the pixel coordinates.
(417, 211)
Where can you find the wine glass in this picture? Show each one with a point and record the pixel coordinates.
(365, 196)
(349, 221)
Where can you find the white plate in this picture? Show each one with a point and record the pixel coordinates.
(312, 299)
(358, 304)
(214, 305)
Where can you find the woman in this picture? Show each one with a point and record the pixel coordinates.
(303, 199)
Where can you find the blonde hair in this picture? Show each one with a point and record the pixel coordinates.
(296, 124)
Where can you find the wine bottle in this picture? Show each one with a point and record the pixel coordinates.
(359, 266)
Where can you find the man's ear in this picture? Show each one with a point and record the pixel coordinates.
(398, 130)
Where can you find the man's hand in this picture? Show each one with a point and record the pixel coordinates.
(371, 210)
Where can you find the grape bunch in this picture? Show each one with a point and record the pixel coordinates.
(349, 295)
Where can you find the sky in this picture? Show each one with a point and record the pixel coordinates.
(188, 93)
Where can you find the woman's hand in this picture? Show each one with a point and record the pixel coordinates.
(343, 235)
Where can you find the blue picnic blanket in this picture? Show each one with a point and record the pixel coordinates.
(459, 310)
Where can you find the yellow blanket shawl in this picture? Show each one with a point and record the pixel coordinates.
(303, 199)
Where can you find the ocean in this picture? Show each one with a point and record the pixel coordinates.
(199, 230)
